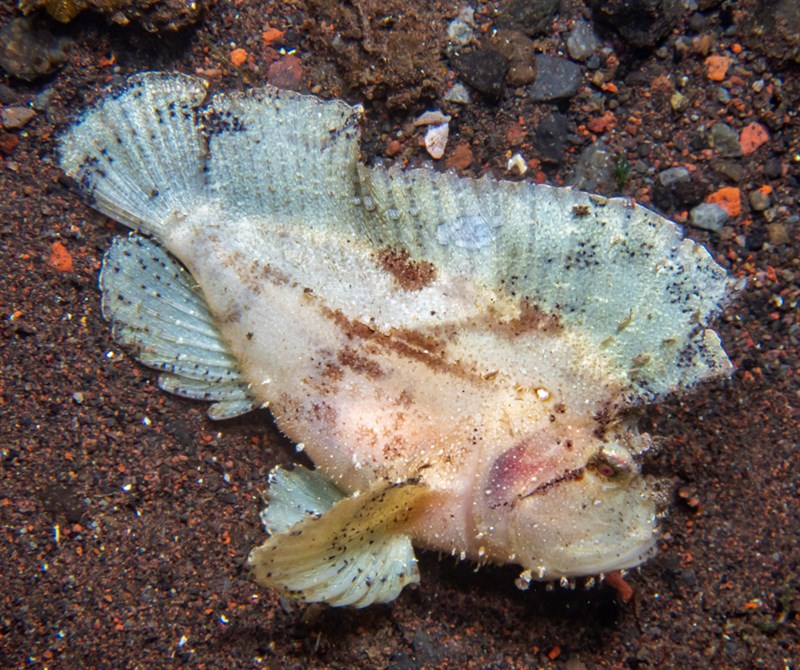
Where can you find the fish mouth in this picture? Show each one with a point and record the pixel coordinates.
(592, 565)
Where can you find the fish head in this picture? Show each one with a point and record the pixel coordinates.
(568, 513)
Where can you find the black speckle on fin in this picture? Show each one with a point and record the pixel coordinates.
(156, 311)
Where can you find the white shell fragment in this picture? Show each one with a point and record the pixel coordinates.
(460, 358)
(436, 140)
(517, 165)
(437, 133)
(431, 118)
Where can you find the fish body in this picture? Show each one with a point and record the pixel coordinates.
(457, 357)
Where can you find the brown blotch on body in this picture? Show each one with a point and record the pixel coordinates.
(411, 275)
(349, 358)
(405, 342)
(531, 319)
(333, 372)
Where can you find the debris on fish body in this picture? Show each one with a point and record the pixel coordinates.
(458, 357)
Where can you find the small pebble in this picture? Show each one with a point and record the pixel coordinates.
(773, 168)
(759, 199)
(431, 118)
(581, 41)
(28, 50)
(458, 94)
(594, 168)
(673, 175)
(730, 170)
(287, 72)
(753, 136)
(16, 117)
(709, 216)
(725, 140)
(678, 101)
(777, 234)
(717, 67)
(461, 158)
(461, 29)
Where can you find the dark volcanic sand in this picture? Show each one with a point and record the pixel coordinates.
(128, 515)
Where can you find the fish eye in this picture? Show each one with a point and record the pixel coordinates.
(609, 466)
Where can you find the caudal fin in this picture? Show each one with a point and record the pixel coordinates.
(139, 156)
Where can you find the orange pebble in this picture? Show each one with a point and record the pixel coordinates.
(238, 57)
(717, 67)
(737, 48)
(60, 258)
(271, 35)
(752, 137)
(624, 590)
(729, 199)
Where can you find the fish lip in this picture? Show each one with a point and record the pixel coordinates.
(633, 557)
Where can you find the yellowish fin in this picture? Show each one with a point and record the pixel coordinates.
(354, 552)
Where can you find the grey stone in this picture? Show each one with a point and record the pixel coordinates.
(594, 169)
(730, 170)
(461, 29)
(725, 140)
(673, 175)
(709, 216)
(556, 78)
(582, 42)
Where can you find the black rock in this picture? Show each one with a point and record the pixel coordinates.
(777, 19)
(642, 23)
(674, 190)
(531, 16)
(484, 70)
(28, 50)
(773, 168)
(550, 138)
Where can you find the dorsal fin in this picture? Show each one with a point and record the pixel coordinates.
(283, 155)
(616, 272)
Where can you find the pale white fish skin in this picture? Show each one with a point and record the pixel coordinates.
(448, 381)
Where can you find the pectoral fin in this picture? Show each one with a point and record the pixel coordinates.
(156, 310)
(351, 551)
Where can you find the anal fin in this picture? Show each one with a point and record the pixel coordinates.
(346, 551)
(156, 311)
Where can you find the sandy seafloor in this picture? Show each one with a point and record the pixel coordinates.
(127, 515)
